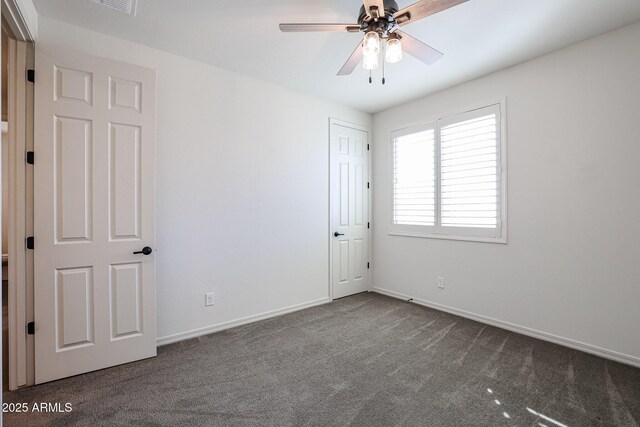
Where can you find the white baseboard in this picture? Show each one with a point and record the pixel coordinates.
(587, 348)
(169, 339)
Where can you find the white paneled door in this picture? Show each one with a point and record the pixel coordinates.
(349, 209)
(94, 209)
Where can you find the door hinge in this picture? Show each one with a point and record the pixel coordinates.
(368, 185)
(31, 76)
(368, 147)
(31, 328)
(368, 225)
(367, 265)
(30, 242)
(31, 157)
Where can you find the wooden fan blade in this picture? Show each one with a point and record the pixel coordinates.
(422, 9)
(419, 50)
(352, 62)
(351, 28)
(374, 8)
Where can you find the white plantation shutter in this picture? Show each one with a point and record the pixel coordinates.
(447, 177)
(414, 197)
(470, 170)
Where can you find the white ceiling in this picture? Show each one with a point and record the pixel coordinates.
(477, 37)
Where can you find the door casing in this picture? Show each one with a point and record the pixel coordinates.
(20, 221)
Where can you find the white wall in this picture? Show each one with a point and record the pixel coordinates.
(242, 186)
(571, 267)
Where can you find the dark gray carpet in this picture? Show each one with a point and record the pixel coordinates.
(366, 360)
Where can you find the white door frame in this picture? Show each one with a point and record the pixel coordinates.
(21, 29)
(21, 18)
(367, 129)
(20, 264)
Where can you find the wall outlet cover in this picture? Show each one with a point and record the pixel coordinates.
(209, 298)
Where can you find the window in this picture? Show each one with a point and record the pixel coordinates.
(414, 178)
(447, 177)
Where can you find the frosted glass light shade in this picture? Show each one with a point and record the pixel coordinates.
(371, 44)
(370, 62)
(394, 51)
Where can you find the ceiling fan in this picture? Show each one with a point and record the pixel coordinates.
(380, 21)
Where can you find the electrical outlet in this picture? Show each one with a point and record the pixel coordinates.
(209, 298)
(441, 282)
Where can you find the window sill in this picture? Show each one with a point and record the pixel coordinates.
(477, 239)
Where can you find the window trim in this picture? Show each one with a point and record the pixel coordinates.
(435, 232)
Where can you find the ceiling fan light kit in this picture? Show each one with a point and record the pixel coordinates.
(393, 52)
(370, 62)
(380, 20)
(371, 44)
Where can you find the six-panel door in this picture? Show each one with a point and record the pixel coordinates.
(93, 207)
(349, 210)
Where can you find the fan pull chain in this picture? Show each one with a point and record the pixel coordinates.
(383, 61)
(370, 79)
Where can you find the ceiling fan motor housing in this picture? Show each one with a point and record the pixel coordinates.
(390, 7)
